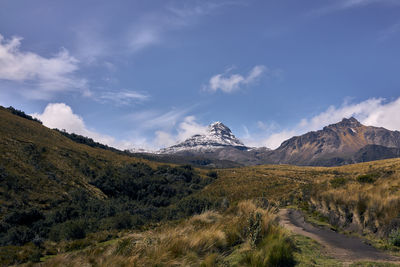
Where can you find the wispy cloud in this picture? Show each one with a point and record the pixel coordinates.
(168, 127)
(44, 76)
(374, 112)
(390, 32)
(124, 97)
(151, 28)
(190, 9)
(349, 4)
(229, 83)
(90, 44)
(143, 31)
(158, 120)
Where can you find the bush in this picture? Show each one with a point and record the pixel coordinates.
(212, 174)
(24, 217)
(22, 114)
(338, 182)
(122, 221)
(281, 254)
(18, 236)
(394, 237)
(68, 230)
(254, 228)
(367, 178)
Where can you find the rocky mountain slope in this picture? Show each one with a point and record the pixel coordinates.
(345, 142)
(336, 144)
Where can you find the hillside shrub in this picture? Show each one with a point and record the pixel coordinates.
(369, 178)
(254, 228)
(212, 174)
(22, 114)
(338, 182)
(281, 254)
(394, 237)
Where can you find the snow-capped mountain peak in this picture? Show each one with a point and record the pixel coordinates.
(217, 136)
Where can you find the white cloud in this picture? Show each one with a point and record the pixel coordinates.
(230, 83)
(61, 116)
(169, 127)
(44, 75)
(187, 128)
(123, 97)
(190, 127)
(373, 112)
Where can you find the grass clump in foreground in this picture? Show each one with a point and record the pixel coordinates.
(244, 235)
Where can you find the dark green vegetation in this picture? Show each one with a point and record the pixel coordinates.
(136, 194)
(86, 141)
(22, 114)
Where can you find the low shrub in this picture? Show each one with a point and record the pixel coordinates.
(338, 182)
(281, 254)
(394, 237)
(369, 178)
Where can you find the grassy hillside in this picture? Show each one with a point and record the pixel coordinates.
(52, 188)
(361, 198)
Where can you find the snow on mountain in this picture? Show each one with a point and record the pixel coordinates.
(141, 150)
(217, 136)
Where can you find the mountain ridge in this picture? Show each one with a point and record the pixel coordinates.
(335, 144)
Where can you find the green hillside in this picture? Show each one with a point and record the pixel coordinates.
(52, 188)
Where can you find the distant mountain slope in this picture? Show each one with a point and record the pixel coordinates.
(335, 144)
(217, 136)
(219, 145)
(375, 152)
(345, 142)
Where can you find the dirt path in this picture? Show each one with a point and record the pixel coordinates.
(339, 246)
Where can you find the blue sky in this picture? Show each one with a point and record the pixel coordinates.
(152, 73)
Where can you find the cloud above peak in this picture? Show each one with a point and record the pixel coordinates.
(229, 83)
(371, 112)
(45, 75)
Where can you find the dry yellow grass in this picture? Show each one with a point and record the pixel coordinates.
(372, 206)
(361, 206)
(206, 239)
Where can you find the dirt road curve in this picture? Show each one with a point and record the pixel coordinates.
(339, 246)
